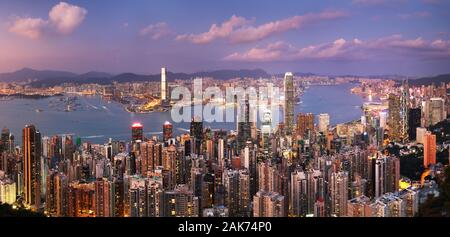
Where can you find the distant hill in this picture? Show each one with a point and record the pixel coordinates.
(437, 80)
(26, 74)
(52, 78)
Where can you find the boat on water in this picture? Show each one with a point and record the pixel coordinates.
(39, 110)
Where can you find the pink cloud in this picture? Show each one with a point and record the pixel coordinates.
(156, 31)
(215, 32)
(252, 34)
(368, 3)
(63, 18)
(28, 27)
(346, 49)
(239, 30)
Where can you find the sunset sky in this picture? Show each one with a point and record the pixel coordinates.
(409, 37)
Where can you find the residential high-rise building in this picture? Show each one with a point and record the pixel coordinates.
(81, 199)
(324, 123)
(306, 188)
(137, 132)
(7, 190)
(433, 111)
(339, 193)
(180, 202)
(32, 166)
(164, 88)
(268, 204)
(289, 100)
(104, 198)
(388, 205)
(137, 197)
(410, 197)
(420, 135)
(359, 207)
(429, 150)
(237, 186)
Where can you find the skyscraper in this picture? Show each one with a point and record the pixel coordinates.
(268, 204)
(394, 120)
(137, 133)
(305, 123)
(339, 193)
(289, 102)
(32, 166)
(164, 91)
(180, 202)
(324, 123)
(414, 118)
(433, 111)
(243, 122)
(266, 130)
(404, 107)
(429, 150)
(196, 133)
(167, 131)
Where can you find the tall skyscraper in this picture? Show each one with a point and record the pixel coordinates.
(137, 133)
(339, 193)
(167, 131)
(243, 123)
(394, 120)
(196, 133)
(324, 123)
(266, 130)
(305, 123)
(404, 107)
(306, 188)
(237, 186)
(164, 88)
(32, 166)
(289, 94)
(414, 119)
(429, 150)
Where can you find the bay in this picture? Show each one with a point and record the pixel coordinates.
(96, 120)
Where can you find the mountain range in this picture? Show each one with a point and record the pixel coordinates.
(45, 78)
(42, 78)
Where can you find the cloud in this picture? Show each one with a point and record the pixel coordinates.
(28, 27)
(407, 16)
(66, 18)
(63, 19)
(369, 3)
(215, 31)
(252, 34)
(156, 31)
(342, 49)
(238, 29)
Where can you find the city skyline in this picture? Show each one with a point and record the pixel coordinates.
(359, 37)
(234, 109)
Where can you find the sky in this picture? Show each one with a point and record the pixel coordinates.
(363, 37)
